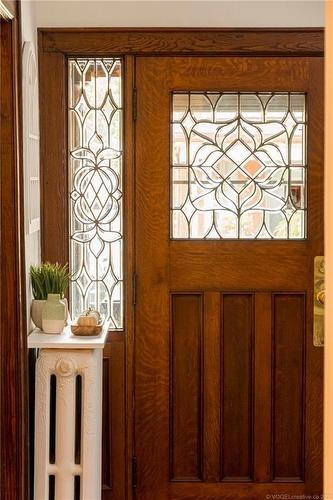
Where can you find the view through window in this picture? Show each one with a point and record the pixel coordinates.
(96, 186)
(238, 165)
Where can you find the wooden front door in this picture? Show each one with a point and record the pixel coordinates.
(229, 218)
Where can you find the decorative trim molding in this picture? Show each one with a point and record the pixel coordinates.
(182, 41)
(5, 13)
(13, 344)
(31, 143)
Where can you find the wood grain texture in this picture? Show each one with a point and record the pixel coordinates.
(165, 266)
(288, 387)
(262, 387)
(314, 357)
(152, 309)
(113, 437)
(237, 391)
(212, 386)
(240, 263)
(164, 41)
(186, 388)
(231, 491)
(129, 266)
(53, 158)
(55, 246)
(13, 346)
(239, 270)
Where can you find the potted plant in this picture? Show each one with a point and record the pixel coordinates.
(47, 279)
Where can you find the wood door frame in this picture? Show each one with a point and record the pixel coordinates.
(328, 355)
(55, 46)
(13, 340)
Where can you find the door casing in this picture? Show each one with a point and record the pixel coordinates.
(55, 46)
(13, 340)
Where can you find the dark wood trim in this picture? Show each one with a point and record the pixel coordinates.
(160, 41)
(129, 253)
(54, 231)
(53, 157)
(114, 425)
(13, 338)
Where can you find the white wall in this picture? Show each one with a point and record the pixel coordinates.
(232, 13)
(28, 24)
(32, 241)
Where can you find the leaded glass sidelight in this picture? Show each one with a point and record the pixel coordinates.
(238, 165)
(95, 186)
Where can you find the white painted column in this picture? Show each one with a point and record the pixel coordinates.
(66, 357)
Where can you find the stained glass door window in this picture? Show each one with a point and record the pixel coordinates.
(96, 185)
(239, 165)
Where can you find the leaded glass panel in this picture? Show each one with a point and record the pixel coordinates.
(238, 165)
(96, 186)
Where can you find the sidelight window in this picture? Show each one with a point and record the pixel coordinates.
(238, 165)
(95, 144)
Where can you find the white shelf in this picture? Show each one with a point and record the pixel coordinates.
(66, 340)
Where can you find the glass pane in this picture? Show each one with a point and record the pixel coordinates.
(95, 186)
(238, 165)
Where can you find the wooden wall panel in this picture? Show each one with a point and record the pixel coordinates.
(185, 398)
(262, 387)
(237, 327)
(113, 430)
(212, 387)
(53, 157)
(288, 386)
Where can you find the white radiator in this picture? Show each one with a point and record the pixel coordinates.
(68, 416)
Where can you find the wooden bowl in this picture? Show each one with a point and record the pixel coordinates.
(87, 331)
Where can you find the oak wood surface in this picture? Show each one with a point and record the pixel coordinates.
(55, 45)
(288, 404)
(237, 387)
(13, 348)
(231, 491)
(53, 158)
(114, 424)
(263, 387)
(211, 387)
(118, 389)
(186, 379)
(157, 41)
(271, 392)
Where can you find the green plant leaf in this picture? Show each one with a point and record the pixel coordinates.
(49, 278)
